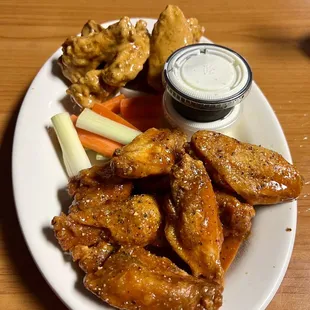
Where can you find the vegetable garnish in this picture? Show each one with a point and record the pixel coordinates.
(93, 122)
(101, 109)
(95, 142)
(74, 155)
(113, 104)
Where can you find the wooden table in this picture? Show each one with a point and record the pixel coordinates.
(273, 35)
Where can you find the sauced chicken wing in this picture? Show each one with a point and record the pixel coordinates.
(133, 278)
(134, 221)
(193, 226)
(258, 175)
(151, 153)
(171, 32)
(91, 188)
(121, 50)
(97, 186)
(69, 233)
(236, 218)
(91, 258)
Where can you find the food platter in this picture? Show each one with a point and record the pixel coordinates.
(39, 182)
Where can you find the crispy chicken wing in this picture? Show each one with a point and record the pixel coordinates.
(171, 32)
(236, 218)
(97, 186)
(151, 153)
(91, 258)
(193, 226)
(69, 233)
(121, 50)
(258, 175)
(134, 221)
(136, 279)
(91, 188)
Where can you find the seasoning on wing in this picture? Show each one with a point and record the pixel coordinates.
(91, 258)
(102, 60)
(236, 218)
(258, 175)
(134, 221)
(133, 278)
(151, 153)
(171, 32)
(193, 226)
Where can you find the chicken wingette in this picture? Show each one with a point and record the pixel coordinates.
(258, 175)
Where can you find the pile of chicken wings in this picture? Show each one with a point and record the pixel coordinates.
(102, 60)
(158, 225)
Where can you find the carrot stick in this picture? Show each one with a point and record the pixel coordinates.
(103, 111)
(113, 104)
(95, 142)
(141, 107)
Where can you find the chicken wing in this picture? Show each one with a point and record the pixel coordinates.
(193, 226)
(133, 278)
(151, 153)
(134, 221)
(121, 50)
(171, 32)
(69, 233)
(97, 186)
(91, 189)
(91, 258)
(236, 218)
(258, 175)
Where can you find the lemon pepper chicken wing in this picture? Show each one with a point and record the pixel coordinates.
(236, 218)
(193, 226)
(121, 49)
(134, 221)
(258, 175)
(171, 32)
(96, 186)
(133, 278)
(91, 188)
(151, 153)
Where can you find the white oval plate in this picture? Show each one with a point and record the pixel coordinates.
(39, 180)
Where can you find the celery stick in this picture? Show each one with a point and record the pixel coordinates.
(74, 155)
(93, 122)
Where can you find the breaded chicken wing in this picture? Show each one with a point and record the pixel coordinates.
(171, 32)
(133, 278)
(193, 225)
(258, 175)
(151, 153)
(102, 60)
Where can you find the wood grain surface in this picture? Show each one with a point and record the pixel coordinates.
(274, 36)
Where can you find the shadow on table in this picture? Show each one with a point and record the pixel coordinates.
(14, 243)
(305, 45)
